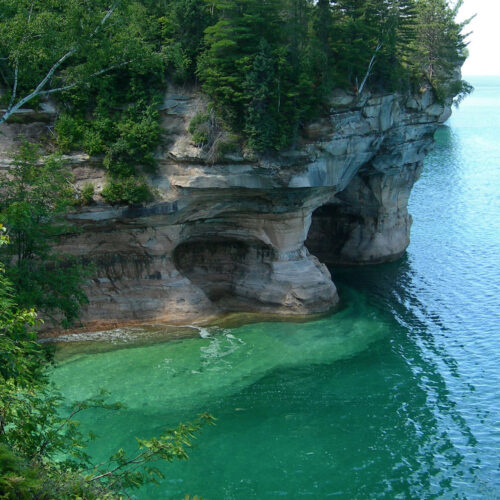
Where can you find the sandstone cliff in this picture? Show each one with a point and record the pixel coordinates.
(246, 234)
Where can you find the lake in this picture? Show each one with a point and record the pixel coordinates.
(396, 395)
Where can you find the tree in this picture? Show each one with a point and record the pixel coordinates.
(182, 28)
(296, 23)
(232, 44)
(51, 46)
(440, 46)
(322, 28)
(35, 196)
(52, 447)
(371, 41)
(261, 87)
(261, 69)
(20, 356)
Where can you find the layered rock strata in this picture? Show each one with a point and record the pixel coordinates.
(254, 234)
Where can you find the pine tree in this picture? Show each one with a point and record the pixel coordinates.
(232, 44)
(440, 45)
(270, 64)
(261, 124)
(322, 26)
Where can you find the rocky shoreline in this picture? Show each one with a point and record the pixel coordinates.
(248, 234)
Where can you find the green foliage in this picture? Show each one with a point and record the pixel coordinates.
(120, 472)
(30, 425)
(44, 443)
(44, 434)
(200, 137)
(69, 132)
(228, 143)
(182, 29)
(269, 66)
(50, 46)
(208, 132)
(458, 88)
(108, 82)
(87, 194)
(35, 197)
(135, 136)
(200, 128)
(232, 45)
(129, 190)
(440, 47)
(17, 478)
(125, 138)
(262, 124)
(20, 355)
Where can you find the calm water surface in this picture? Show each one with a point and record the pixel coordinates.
(395, 396)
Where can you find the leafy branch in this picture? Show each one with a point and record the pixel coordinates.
(124, 471)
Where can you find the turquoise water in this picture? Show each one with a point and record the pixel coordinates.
(395, 396)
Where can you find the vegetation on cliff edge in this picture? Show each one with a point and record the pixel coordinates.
(266, 65)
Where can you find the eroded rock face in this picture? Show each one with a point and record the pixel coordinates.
(178, 263)
(369, 221)
(245, 234)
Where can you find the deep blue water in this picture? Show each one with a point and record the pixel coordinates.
(395, 396)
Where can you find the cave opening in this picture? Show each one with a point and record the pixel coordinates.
(228, 270)
(331, 227)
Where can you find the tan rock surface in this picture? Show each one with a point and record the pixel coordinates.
(234, 235)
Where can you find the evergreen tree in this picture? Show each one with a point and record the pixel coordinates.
(360, 33)
(440, 46)
(296, 23)
(232, 45)
(370, 42)
(261, 123)
(321, 41)
(405, 38)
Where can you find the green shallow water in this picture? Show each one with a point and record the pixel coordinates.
(397, 395)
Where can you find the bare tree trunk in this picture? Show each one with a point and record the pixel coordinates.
(370, 68)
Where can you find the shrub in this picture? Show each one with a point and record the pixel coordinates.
(127, 190)
(117, 159)
(69, 132)
(126, 138)
(200, 128)
(93, 142)
(197, 120)
(87, 194)
(228, 144)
